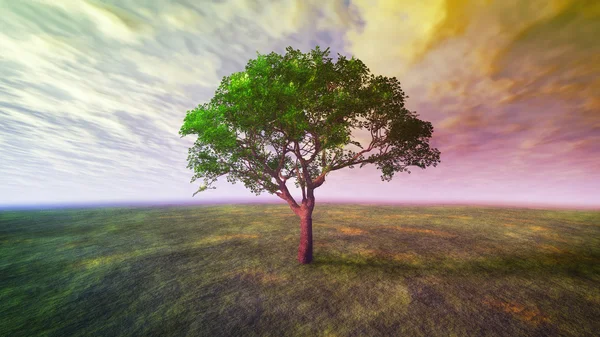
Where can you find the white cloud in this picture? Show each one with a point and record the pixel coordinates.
(98, 100)
(178, 68)
(112, 21)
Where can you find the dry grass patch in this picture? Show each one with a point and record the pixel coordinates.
(553, 249)
(345, 214)
(401, 216)
(110, 259)
(516, 235)
(220, 238)
(520, 220)
(529, 315)
(486, 250)
(538, 228)
(257, 223)
(369, 253)
(235, 236)
(355, 216)
(555, 237)
(318, 243)
(422, 231)
(593, 298)
(463, 217)
(351, 231)
(343, 229)
(278, 212)
(409, 258)
(102, 260)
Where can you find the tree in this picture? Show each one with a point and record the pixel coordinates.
(290, 117)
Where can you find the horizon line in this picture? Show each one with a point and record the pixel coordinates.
(175, 203)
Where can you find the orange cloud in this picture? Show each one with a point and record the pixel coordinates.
(456, 17)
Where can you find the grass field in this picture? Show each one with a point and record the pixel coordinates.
(231, 271)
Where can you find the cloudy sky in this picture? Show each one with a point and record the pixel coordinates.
(93, 93)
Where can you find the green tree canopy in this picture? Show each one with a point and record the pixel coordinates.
(290, 116)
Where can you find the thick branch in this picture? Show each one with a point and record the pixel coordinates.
(285, 195)
(319, 181)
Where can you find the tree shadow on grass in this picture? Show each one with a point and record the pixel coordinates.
(532, 264)
(480, 281)
(178, 293)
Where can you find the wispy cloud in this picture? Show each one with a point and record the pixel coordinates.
(94, 92)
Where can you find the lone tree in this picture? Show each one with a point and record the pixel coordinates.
(291, 116)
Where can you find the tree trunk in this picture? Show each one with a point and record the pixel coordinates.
(304, 212)
(305, 250)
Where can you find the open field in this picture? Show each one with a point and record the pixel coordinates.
(231, 270)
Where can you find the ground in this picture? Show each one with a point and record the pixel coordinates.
(232, 269)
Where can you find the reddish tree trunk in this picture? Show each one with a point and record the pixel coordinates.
(305, 250)
(304, 212)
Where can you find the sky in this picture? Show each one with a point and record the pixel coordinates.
(93, 93)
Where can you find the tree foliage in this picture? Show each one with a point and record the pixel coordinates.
(290, 116)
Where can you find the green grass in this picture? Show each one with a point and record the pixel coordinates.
(232, 271)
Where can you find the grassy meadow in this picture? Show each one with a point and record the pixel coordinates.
(231, 270)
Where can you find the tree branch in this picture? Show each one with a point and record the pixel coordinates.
(375, 138)
(348, 163)
(366, 160)
(317, 148)
(307, 179)
(301, 182)
(258, 158)
(282, 161)
(284, 178)
(334, 158)
(258, 176)
(285, 195)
